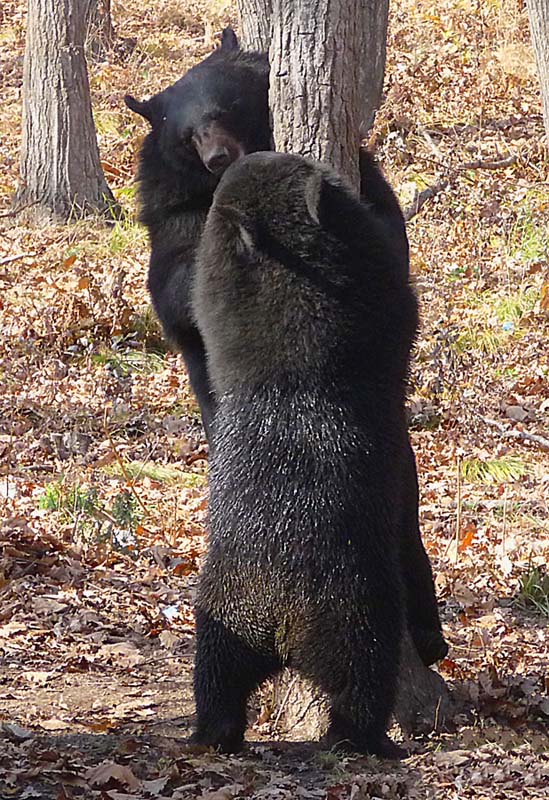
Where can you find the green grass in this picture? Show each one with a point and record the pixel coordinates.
(496, 319)
(93, 520)
(529, 238)
(107, 123)
(480, 338)
(534, 590)
(499, 470)
(127, 234)
(124, 362)
(157, 472)
(148, 328)
(70, 501)
(514, 306)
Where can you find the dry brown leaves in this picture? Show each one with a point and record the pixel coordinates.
(96, 591)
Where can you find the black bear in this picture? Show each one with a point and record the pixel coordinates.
(421, 602)
(308, 321)
(217, 112)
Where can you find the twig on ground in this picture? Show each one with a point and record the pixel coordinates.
(499, 164)
(15, 211)
(458, 508)
(156, 660)
(17, 257)
(285, 700)
(541, 441)
(421, 197)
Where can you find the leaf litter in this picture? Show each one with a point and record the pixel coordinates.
(103, 465)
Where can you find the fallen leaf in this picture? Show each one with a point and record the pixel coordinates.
(123, 653)
(108, 771)
(516, 413)
(53, 724)
(38, 677)
(15, 732)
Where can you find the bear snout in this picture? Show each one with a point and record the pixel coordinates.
(217, 148)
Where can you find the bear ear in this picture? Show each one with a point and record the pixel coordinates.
(228, 40)
(145, 108)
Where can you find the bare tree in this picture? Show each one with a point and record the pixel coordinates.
(60, 169)
(538, 13)
(321, 72)
(305, 25)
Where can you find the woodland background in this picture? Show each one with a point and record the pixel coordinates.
(103, 466)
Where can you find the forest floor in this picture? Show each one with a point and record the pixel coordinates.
(103, 464)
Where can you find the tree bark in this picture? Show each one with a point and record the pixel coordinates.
(423, 703)
(538, 14)
(255, 23)
(60, 173)
(100, 33)
(373, 25)
(314, 89)
(370, 18)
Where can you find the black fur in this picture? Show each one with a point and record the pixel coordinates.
(227, 93)
(308, 320)
(421, 601)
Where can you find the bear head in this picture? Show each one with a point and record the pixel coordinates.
(216, 113)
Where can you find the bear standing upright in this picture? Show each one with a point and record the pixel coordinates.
(217, 112)
(308, 321)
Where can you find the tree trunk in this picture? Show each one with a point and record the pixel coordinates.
(373, 49)
(326, 58)
(368, 17)
(255, 23)
(538, 13)
(100, 33)
(423, 703)
(314, 90)
(60, 172)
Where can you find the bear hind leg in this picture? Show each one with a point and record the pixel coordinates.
(359, 674)
(227, 671)
(358, 723)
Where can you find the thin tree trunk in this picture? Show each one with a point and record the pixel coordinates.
(371, 17)
(60, 169)
(373, 25)
(100, 33)
(538, 13)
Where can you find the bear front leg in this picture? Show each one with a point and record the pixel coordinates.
(226, 673)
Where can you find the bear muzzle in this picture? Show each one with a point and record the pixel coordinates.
(217, 148)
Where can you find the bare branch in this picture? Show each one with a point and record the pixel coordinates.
(541, 441)
(15, 211)
(18, 257)
(421, 197)
(499, 164)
